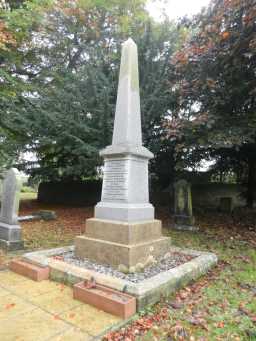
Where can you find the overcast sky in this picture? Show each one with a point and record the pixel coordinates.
(175, 8)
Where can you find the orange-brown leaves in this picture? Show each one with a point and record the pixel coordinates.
(225, 35)
(6, 37)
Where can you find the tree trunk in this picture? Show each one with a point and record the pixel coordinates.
(251, 183)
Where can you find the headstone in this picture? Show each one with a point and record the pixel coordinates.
(226, 205)
(183, 213)
(1, 189)
(10, 231)
(124, 231)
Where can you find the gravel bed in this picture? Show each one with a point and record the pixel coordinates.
(173, 260)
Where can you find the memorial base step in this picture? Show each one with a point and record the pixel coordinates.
(116, 254)
(11, 245)
(123, 232)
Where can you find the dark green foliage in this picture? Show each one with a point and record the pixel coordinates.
(215, 80)
(64, 104)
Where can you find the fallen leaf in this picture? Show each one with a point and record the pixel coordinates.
(253, 318)
(10, 305)
(220, 324)
(225, 35)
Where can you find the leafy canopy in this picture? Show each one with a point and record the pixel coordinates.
(215, 83)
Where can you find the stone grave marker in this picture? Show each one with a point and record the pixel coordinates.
(10, 231)
(124, 232)
(226, 205)
(183, 213)
(1, 189)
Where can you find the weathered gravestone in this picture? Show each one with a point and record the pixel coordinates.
(226, 205)
(183, 213)
(124, 231)
(1, 189)
(10, 231)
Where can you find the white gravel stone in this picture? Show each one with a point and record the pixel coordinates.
(163, 264)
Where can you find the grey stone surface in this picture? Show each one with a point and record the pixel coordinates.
(28, 218)
(44, 215)
(11, 246)
(41, 258)
(125, 195)
(1, 188)
(183, 212)
(10, 231)
(10, 197)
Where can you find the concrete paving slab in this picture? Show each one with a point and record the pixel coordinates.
(28, 289)
(3, 292)
(90, 319)
(9, 278)
(56, 302)
(11, 305)
(74, 335)
(34, 325)
(46, 311)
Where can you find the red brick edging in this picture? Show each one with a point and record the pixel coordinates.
(106, 299)
(31, 271)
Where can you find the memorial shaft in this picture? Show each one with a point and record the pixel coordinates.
(125, 194)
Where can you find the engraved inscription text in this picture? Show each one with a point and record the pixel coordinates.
(115, 181)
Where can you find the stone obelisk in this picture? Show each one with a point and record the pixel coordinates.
(124, 230)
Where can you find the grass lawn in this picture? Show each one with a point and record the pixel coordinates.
(219, 306)
(28, 195)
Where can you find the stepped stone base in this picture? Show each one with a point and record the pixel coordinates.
(11, 246)
(115, 242)
(123, 232)
(124, 212)
(10, 237)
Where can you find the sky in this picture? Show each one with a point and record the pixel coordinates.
(175, 8)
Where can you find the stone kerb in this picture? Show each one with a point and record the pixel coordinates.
(148, 291)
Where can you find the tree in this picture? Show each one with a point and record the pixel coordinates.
(15, 32)
(214, 73)
(70, 72)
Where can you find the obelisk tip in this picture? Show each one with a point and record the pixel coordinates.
(129, 41)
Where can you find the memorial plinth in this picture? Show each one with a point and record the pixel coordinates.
(124, 230)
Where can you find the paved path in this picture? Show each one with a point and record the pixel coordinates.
(35, 311)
